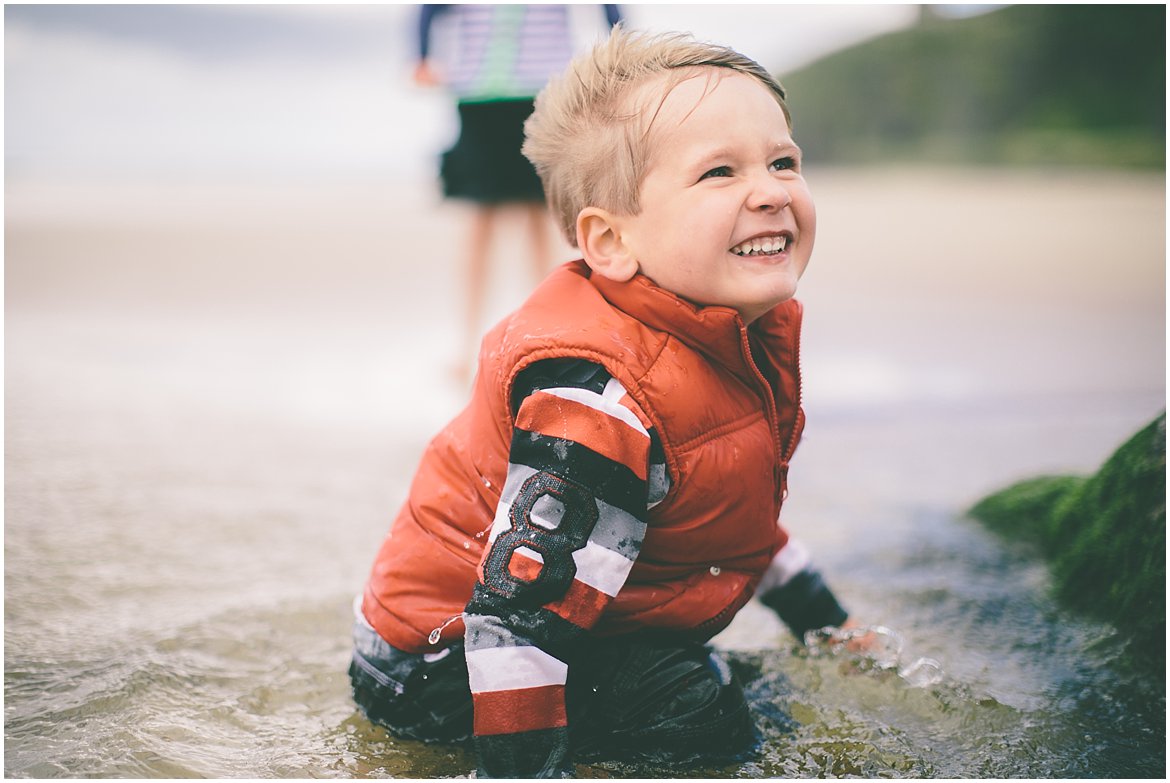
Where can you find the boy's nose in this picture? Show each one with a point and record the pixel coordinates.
(769, 194)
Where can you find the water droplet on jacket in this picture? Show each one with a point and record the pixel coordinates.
(467, 545)
(716, 570)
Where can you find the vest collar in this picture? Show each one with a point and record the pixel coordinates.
(715, 331)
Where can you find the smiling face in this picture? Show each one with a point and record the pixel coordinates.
(726, 217)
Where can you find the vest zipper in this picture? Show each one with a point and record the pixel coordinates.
(785, 451)
(762, 385)
(437, 633)
(797, 418)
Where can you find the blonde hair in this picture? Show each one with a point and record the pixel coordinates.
(589, 134)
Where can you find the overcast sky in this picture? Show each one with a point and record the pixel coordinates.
(205, 90)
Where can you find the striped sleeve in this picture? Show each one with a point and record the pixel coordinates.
(795, 590)
(585, 466)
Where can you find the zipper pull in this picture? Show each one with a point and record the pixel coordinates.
(437, 633)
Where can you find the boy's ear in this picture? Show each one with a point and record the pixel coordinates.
(600, 240)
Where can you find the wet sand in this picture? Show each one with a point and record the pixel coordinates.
(215, 395)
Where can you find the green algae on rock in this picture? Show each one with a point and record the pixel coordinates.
(1104, 536)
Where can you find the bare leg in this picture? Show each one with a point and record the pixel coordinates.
(477, 253)
(538, 241)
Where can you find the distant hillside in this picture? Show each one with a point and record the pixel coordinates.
(1032, 84)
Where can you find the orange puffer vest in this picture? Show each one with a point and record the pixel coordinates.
(725, 401)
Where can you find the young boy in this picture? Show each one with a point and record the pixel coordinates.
(610, 497)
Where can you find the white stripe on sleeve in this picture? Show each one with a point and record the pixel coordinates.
(601, 568)
(512, 668)
(788, 562)
(608, 402)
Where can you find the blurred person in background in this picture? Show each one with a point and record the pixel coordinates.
(502, 55)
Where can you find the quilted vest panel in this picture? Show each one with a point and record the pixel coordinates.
(723, 398)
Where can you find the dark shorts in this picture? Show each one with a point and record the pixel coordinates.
(625, 698)
(486, 165)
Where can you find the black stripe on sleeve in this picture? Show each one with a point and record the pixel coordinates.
(529, 754)
(609, 481)
(543, 627)
(558, 373)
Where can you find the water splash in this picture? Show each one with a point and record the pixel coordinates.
(874, 647)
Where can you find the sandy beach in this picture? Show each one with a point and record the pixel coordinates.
(937, 292)
(215, 395)
(963, 329)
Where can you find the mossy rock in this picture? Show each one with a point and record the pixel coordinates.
(1025, 511)
(1104, 536)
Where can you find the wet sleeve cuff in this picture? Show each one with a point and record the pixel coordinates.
(805, 603)
(528, 754)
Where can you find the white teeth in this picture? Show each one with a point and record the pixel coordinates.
(776, 244)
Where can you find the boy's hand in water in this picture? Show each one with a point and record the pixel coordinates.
(874, 642)
(861, 640)
(876, 648)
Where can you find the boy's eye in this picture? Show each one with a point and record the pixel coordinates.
(718, 171)
(784, 164)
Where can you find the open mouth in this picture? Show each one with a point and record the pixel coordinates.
(763, 246)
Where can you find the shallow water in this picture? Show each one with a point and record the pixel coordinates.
(205, 446)
(996, 682)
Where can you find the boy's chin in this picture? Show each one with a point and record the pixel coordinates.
(779, 296)
(750, 314)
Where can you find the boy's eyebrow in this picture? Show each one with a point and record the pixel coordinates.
(714, 153)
